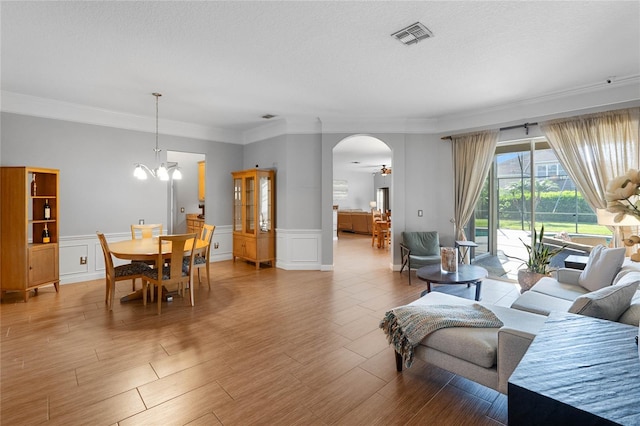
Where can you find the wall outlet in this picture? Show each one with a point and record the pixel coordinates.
(83, 260)
(216, 245)
(181, 209)
(419, 213)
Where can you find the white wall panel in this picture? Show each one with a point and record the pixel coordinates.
(70, 256)
(298, 249)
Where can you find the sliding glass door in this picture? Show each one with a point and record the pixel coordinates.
(527, 187)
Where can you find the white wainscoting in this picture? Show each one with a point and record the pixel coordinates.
(299, 249)
(72, 248)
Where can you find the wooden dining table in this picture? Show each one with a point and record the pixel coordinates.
(146, 249)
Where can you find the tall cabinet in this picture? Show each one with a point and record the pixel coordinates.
(253, 216)
(27, 260)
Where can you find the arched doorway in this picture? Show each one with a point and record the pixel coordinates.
(362, 181)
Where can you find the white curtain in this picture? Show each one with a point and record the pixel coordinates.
(472, 158)
(596, 148)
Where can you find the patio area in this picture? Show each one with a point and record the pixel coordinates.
(507, 262)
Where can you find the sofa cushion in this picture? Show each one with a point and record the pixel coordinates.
(551, 287)
(607, 303)
(632, 315)
(475, 345)
(630, 273)
(540, 303)
(602, 267)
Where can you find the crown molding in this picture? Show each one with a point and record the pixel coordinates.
(18, 103)
(620, 92)
(402, 125)
(282, 126)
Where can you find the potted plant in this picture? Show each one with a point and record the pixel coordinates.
(540, 256)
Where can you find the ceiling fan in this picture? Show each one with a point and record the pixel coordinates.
(385, 171)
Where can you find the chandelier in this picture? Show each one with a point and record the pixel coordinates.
(384, 171)
(160, 172)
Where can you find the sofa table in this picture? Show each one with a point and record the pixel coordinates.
(578, 370)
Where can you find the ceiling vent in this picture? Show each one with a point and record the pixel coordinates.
(413, 34)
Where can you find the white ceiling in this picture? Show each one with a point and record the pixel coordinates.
(225, 64)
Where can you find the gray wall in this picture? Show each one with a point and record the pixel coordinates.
(98, 191)
(97, 187)
(296, 159)
(360, 189)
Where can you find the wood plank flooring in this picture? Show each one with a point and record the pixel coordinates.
(261, 347)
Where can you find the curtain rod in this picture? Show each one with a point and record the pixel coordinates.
(525, 125)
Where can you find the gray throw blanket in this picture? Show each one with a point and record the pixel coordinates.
(406, 326)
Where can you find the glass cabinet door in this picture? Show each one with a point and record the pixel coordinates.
(249, 192)
(237, 204)
(265, 203)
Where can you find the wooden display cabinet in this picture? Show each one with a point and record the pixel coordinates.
(253, 216)
(26, 262)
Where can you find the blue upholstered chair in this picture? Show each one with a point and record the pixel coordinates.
(419, 249)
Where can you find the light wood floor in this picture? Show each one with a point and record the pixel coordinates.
(261, 347)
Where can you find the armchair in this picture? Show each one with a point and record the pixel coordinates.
(419, 249)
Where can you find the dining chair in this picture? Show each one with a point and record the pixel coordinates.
(201, 258)
(172, 273)
(146, 231)
(130, 271)
(375, 217)
(383, 233)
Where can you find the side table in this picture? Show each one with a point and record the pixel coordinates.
(578, 371)
(463, 247)
(576, 262)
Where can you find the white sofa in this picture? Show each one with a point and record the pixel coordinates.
(489, 355)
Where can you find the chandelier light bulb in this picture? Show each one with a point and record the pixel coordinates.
(139, 172)
(177, 174)
(162, 172)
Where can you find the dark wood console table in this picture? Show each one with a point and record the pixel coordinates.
(578, 371)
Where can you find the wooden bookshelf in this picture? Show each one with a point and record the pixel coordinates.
(26, 262)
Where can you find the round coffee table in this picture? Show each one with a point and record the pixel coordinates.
(467, 274)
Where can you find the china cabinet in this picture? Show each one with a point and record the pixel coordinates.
(29, 229)
(253, 216)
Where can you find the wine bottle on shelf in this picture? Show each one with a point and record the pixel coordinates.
(47, 210)
(33, 185)
(45, 235)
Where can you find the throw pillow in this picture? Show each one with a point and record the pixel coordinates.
(607, 303)
(602, 267)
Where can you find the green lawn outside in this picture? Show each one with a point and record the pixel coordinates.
(551, 228)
